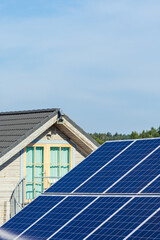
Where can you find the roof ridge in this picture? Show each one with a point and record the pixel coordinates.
(29, 111)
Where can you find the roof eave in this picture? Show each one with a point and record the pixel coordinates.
(28, 137)
(94, 142)
(78, 135)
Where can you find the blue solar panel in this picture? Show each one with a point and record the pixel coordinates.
(108, 175)
(94, 215)
(126, 220)
(150, 230)
(89, 166)
(137, 178)
(141, 176)
(30, 214)
(119, 226)
(88, 212)
(122, 167)
(56, 218)
(154, 187)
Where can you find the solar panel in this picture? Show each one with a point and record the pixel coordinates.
(148, 229)
(154, 188)
(97, 160)
(31, 213)
(113, 194)
(140, 176)
(115, 226)
(105, 166)
(126, 220)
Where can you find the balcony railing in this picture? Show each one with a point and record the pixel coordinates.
(17, 200)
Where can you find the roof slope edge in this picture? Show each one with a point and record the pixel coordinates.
(28, 134)
(81, 130)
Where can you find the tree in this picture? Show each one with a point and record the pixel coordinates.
(134, 135)
(103, 137)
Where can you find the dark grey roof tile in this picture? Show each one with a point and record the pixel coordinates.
(4, 144)
(12, 133)
(19, 121)
(16, 126)
(8, 138)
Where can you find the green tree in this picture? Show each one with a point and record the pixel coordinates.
(102, 137)
(134, 135)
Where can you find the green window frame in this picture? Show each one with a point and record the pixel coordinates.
(34, 172)
(44, 165)
(60, 162)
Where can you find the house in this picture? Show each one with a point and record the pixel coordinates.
(37, 148)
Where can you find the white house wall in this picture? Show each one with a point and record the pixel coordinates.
(9, 177)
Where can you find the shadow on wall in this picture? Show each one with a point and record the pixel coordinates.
(4, 165)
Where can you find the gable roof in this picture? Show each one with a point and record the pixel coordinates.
(19, 128)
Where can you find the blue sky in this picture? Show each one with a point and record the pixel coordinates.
(97, 60)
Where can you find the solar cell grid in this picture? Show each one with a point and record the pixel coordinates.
(149, 231)
(154, 188)
(116, 167)
(41, 222)
(89, 166)
(61, 214)
(140, 176)
(127, 219)
(30, 214)
(92, 217)
(134, 155)
(93, 202)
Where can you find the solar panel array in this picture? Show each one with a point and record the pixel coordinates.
(113, 194)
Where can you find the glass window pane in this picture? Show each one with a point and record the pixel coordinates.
(39, 173)
(54, 155)
(39, 155)
(38, 189)
(29, 191)
(54, 171)
(64, 170)
(29, 155)
(29, 173)
(65, 155)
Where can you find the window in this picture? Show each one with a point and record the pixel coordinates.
(34, 171)
(44, 165)
(59, 161)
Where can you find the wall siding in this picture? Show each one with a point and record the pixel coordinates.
(79, 156)
(57, 135)
(9, 177)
